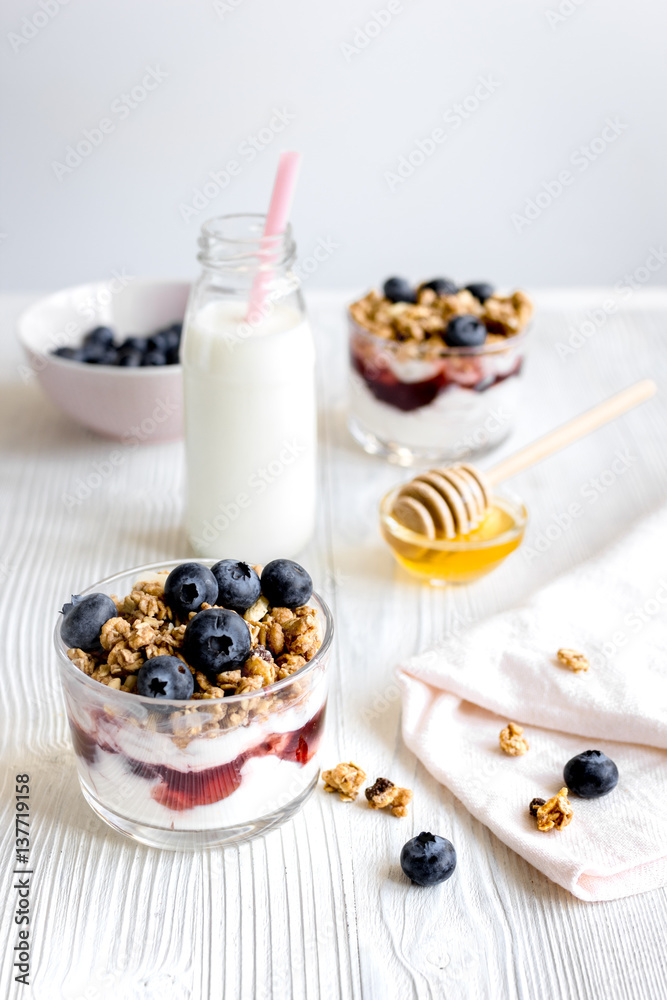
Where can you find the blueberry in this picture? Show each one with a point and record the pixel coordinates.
(428, 859)
(465, 331)
(158, 341)
(188, 586)
(398, 290)
(165, 677)
(134, 343)
(441, 286)
(482, 290)
(285, 584)
(216, 639)
(102, 335)
(590, 774)
(238, 584)
(93, 353)
(110, 357)
(154, 357)
(70, 353)
(171, 337)
(83, 619)
(129, 359)
(173, 356)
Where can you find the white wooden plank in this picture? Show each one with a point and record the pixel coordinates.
(318, 908)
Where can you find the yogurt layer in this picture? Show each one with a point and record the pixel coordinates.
(457, 420)
(267, 784)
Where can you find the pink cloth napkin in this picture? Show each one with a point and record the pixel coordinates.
(459, 695)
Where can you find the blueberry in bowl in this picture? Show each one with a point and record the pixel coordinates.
(154, 357)
(70, 353)
(102, 336)
(129, 358)
(103, 384)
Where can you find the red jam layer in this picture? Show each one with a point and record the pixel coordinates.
(407, 396)
(181, 790)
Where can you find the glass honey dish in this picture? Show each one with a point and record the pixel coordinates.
(461, 559)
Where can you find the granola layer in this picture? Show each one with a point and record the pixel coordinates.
(282, 642)
(421, 325)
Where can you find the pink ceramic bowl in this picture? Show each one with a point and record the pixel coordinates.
(127, 404)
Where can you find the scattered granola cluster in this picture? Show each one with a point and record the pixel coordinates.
(282, 641)
(425, 321)
(384, 794)
(574, 661)
(512, 741)
(347, 779)
(554, 814)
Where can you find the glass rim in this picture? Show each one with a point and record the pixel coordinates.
(456, 352)
(218, 248)
(207, 228)
(174, 704)
(451, 545)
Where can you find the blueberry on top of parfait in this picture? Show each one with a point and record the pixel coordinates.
(482, 290)
(465, 331)
(441, 286)
(399, 290)
(83, 618)
(238, 584)
(188, 586)
(215, 640)
(286, 584)
(165, 677)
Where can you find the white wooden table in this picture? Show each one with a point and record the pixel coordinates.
(318, 908)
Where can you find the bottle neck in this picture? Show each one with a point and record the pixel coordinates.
(240, 265)
(234, 245)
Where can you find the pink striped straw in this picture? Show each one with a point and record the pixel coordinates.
(276, 222)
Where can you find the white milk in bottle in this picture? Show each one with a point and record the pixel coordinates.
(250, 410)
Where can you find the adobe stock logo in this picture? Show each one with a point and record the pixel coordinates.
(554, 188)
(365, 33)
(121, 108)
(32, 24)
(453, 117)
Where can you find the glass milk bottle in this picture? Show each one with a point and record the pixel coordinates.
(249, 387)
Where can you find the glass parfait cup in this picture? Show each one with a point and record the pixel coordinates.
(416, 403)
(192, 774)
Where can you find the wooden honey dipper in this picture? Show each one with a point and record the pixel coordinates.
(451, 501)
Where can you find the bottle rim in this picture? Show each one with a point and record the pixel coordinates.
(237, 240)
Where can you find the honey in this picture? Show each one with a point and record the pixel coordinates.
(464, 558)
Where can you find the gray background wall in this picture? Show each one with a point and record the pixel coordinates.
(358, 88)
